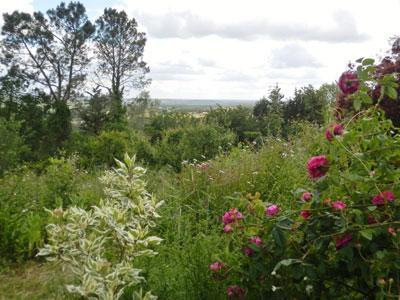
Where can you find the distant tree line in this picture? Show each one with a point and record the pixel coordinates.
(274, 116)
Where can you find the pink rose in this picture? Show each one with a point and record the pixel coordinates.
(305, 214)
(256, 240)
(338, 205)
(216, 266)
(383, 198)
(272, 210)
(348, 82)
(317, 166)
(307, 196)
(227, 228)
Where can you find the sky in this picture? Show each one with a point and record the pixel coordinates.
(229, 49)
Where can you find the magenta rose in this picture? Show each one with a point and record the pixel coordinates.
(317, 166)
(216, 266)
(338, 205)
(307, 196)
(383, 198)
(272, 210)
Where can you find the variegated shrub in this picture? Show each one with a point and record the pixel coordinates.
(100, 245)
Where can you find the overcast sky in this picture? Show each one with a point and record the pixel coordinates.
(228, 49)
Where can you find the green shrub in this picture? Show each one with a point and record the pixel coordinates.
(199, 142)
(12, 146)
(24, 195)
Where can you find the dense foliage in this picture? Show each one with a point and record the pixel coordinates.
(341, 237)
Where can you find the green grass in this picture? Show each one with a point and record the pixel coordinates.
(191, 219)
(34, 281)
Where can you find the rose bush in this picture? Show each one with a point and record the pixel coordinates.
(343, 238)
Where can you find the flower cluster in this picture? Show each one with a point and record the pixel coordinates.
(383, 198)
(230, 218)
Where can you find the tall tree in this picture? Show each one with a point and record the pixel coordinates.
(119, 49)
(269, 112)
(52, 51)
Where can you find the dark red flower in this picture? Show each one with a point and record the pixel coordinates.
(343, 241)
(348, 82)
(305, 214)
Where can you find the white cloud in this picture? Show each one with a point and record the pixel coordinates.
(187, 25)
(292, 56)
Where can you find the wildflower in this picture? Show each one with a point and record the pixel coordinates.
(348, 82)
(227, 228)
(234, 291)
(307, 196)
(337, 130)
(272, 210)
(231, 216)
(305, 214)
(216, 266)
(338, 205)
(343, 241)
(256, 240)
(317, 166)
(383, 198)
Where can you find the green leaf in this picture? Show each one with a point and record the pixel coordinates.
(367, 233)
(391, 92)
(357, 104)
(278, 237)
(368, 61)
(371, 208)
